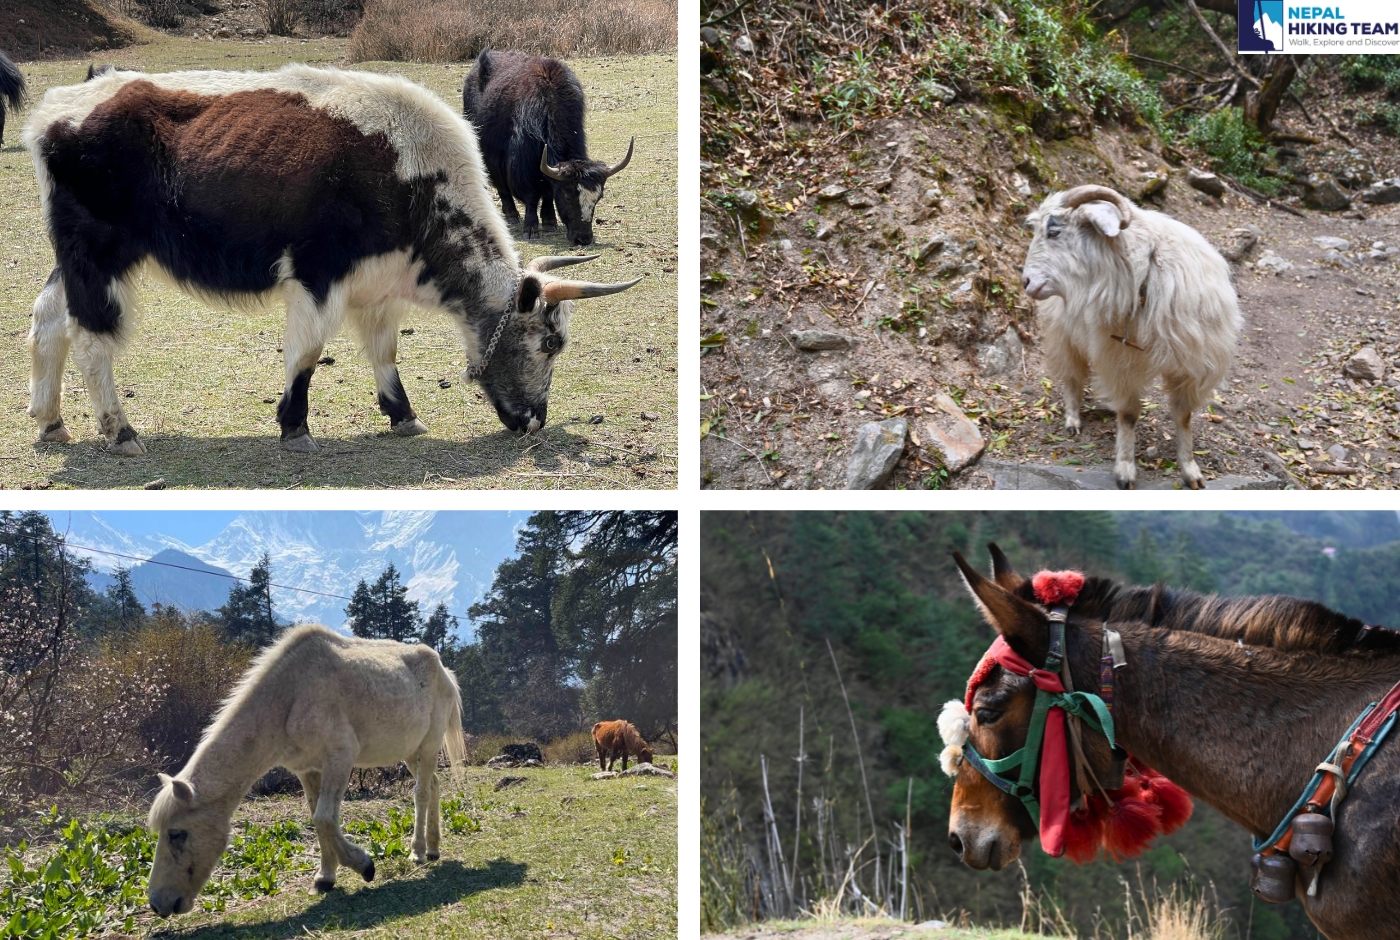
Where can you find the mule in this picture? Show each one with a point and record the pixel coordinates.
(1235, 700)
(319, 704)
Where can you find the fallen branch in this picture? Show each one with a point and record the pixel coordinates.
(868, 288)
(1229, 57)
(1252, 193)
(1171, 65)
(1338, 131)
(724, 16)
(1304, 108)
(1294, 139)
(1336, 471)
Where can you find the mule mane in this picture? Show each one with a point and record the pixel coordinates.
(1277, 621)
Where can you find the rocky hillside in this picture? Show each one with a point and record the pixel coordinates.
(862, 318)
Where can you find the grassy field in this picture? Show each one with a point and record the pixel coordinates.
(202, 385)
(557, 856)
(865, 928)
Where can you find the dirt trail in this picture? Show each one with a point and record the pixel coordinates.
(957, 323)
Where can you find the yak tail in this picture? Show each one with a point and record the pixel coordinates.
(454, 743)
(12, 87)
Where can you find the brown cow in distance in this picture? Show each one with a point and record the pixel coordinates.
(614, 739)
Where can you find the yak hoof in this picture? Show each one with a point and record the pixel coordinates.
(434, 856)
(324, 885)
(55, 433)
(131, 447)
(368, 873)
(301, 444)
(410, 428)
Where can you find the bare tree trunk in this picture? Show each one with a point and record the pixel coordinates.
(1261, 106)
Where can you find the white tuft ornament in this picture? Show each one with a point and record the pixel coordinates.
(953, 723)
(950, 758)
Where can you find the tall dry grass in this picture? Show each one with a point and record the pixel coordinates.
(457, 30)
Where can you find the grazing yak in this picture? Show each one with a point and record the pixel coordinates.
(614, 739)
(12, 90)
(348, 194)
(529, 113)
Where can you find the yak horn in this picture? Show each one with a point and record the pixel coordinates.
(550, 262)
(553, 172)
(625, 160)
(555, 291)
(1081, 194)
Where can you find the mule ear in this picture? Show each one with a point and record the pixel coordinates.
(1103, 216)
(184, 793)
(1021, 624)
(1002, 572)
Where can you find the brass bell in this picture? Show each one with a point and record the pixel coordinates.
(1311, 845)
(1273, 878)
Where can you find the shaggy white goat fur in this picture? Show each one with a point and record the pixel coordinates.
(1105, 268)
(954, 726)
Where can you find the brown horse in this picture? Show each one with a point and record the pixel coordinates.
(1236, 700)
(614, 739)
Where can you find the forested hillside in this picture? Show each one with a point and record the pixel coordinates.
(883, 590)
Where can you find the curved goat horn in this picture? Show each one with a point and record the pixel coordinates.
(555, 291)
(550, 262)
(553, 172)
(1081, 194)
(625, 160)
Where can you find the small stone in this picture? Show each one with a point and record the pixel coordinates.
(743, 43)
(931, 247)
(1003, 355)
(1324, 193)
(1275, 263)
(1152, 185)
(649, 416)
(1333, 256)
(1246, 240)
(596, 419)
(956, 437)
(825, 232)
(882, 184)
(1306, 444)
(930, 197)
(444, 383)
(861, 199)
(1152, 453)
(709, 36)
(156, 484)
(878, 447)
(833, 191)
(785, 244)
(1366, 364)
(1207, 183)
(752, 210)
(1327, 241)
(813, 340)
(942, 92)
(1021, 184)
(1383, 193)
(1338, 453)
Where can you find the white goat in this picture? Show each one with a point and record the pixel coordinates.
(1131, 294)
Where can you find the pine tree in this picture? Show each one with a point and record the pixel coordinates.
(383, 610)
(247, 616)
(439, 629)
(127, 613)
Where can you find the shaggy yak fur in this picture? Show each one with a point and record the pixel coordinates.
(614, 739)
(319, 704)
(347, 194)
(529, 112)
(13, 90)
(1235, 700)
(1130, 295)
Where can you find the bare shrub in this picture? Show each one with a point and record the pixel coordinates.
(162, 14)
(331, 17)
(576, 748)
(281, 16)
(483, 747)
(457, 30)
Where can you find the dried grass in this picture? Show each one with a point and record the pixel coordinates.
(457, 30)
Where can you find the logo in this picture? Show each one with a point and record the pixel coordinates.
(1261, 25)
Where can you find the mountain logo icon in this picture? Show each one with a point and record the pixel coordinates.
(1260, 25)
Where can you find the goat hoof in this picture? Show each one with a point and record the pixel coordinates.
(55, 433)
(131, 447)
(324, 885)
(410, 428)
(368, 873)
(1126, 484)
(301, 444)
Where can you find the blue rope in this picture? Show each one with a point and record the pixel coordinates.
(1311, 788)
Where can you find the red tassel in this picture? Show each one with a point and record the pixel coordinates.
(985, 666)
(1175, 802)
(1057, 587)
(1131, 823)
(1084, 834)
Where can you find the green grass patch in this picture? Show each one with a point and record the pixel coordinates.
(1235, 147)
(198, 381)
(547, 857)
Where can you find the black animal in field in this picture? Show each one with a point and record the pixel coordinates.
(12, 90)
(528, 113)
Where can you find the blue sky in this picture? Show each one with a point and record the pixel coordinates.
(193, 527)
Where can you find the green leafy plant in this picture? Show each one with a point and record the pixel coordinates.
(1236, 147)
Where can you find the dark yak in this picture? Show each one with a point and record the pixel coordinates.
(12, 90)
(518, 103)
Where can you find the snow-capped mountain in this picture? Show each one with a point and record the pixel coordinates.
(443, 557)
(179, 580)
